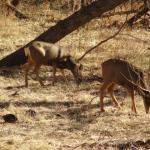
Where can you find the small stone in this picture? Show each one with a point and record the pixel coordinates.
(9, 118)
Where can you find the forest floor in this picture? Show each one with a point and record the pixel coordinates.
(66, 116)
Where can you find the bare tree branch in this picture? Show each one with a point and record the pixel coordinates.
(18, 14)
(139, 39)
(100, 43)
(142, 11)
(119, 13)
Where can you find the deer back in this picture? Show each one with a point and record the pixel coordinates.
(45, 53)
(121, 72)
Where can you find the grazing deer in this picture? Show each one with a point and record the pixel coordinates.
(117, 71)
(42, 53)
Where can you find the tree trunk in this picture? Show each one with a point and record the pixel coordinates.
(64, 27)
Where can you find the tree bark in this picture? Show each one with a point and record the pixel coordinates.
(64, 27)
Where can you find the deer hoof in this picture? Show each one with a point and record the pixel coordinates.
(102, 110)
(41, 84)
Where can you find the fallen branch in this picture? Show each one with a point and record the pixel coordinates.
(93, 99)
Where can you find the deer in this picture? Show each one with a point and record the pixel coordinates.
(40, 53)
(121, 72)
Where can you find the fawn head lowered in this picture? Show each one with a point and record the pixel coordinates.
(42, 53)
(144, 93)
(70, 63)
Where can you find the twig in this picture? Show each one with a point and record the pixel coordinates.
(141, 89)
(92, 100)
(134, 37)
(80, 145)
(119, 13)
(100, 43)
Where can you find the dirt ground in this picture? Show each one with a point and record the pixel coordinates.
(67, 117)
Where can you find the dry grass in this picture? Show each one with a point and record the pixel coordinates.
(64, 118)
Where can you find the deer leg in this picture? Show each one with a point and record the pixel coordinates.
(147, 109)
(102, 94)
(111, 91)
(62, 72)
(133, 104)
(36, 70)
(54, 74)
(27, 66)
(131, 92)
(146, 105)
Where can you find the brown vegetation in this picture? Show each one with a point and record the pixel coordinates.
(67, 116)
